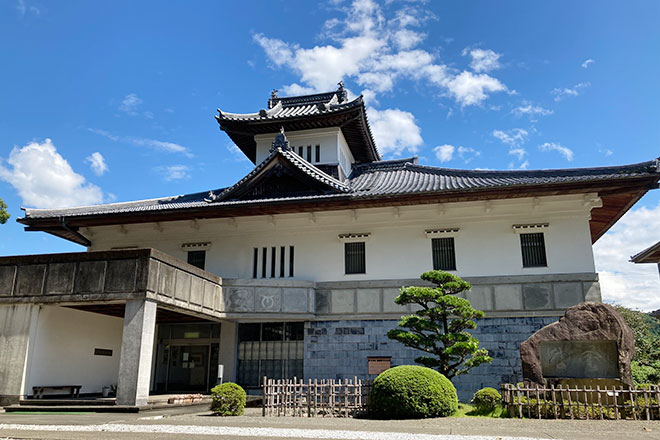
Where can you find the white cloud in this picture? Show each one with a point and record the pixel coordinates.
(236, 153)
(376, 53)
(520, 153)
(524, 165)
(44, 179)
(587, 62)
(561, 93)
(483, 60)
(395, 131)
(130, 104)
(513, 137)
(97, 163)
(629, 284)
(169, 147)
(467, 154)
(554, 146)
(444, 153)
(174, 172)
(606, 151)
(530, 110)
(470, 89)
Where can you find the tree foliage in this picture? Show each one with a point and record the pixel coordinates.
(4, 214)
(440, 326)
(646, 361)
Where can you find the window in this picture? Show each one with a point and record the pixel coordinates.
(354, 258)
(300, 151)
(318, 154)
(197, 258)
(309, 153)
(275, 350)
(265, 262)
(444, 253)
(533, 250)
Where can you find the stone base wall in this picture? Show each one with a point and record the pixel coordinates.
(339, 350)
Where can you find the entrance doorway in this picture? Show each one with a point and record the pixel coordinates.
(187, 357)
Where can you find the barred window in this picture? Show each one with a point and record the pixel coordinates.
(533, 250)
(271, 263)
(197, 258)
(355, 258)
(444, 253)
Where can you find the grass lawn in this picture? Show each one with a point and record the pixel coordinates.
(467, 410)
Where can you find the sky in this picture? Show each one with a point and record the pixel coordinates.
(114, 101)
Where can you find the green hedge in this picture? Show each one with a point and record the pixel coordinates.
(228, 399)
(412, 392)
(486, 400)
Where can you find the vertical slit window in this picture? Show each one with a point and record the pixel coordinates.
(290, 261)
(318, 153)
(282, 249)
(272, 262)
(264, 257)
(354, 258)
(255, 263)
(300, 151)
(309, 153)
(444, 253)
(533, 250)
(197, 258)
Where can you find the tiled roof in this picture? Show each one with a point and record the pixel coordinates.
(372, 180)
(284, 111)
(304, 112)
(648, 255)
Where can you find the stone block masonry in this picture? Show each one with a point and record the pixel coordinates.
(339, 350)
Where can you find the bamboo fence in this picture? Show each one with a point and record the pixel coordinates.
(325, 398)
(582, 402)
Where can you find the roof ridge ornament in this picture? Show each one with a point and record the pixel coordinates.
(280, 142)
(342, 95)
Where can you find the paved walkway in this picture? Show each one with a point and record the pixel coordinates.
(189, 422)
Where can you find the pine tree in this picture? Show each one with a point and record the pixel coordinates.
(440, 326)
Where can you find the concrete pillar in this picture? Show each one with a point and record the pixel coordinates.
(136, 352)
(228, 349)
(16, 322)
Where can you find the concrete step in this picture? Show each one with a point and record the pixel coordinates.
(66, 402)
(73, 408)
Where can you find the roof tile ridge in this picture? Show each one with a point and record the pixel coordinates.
(301, 163)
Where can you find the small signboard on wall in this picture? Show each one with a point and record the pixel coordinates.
(378, 364)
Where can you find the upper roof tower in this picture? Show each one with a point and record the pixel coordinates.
(305, 112)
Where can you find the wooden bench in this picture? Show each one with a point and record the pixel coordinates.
(38, 392)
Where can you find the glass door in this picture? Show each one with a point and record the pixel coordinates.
(188, 369)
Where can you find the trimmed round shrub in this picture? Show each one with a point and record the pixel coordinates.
(486, 400)
(412, 392)
(228, 399)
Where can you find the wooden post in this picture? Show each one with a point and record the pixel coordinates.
(520, 411)
(616, 403)
(632, 403)
(538, 402)
(657, 399)
(570, 403)
(647, 403)
(554, 400)
(600, 406)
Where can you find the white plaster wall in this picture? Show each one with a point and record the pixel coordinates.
(345, 156)
(398, 248)
(63, 351)
(331, 141)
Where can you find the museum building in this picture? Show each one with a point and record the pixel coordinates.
(293, 270)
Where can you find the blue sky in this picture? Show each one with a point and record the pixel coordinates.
(114, 101)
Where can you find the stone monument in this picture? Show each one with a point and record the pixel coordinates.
(591, 344)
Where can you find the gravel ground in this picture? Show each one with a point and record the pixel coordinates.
(175, 423)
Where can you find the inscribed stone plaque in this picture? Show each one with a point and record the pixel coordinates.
(537, 296)
(268, 299)
(241, 299)
(579, 359)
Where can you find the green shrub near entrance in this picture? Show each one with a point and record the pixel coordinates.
(486, 400)
(228, 399)
(412, 392)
